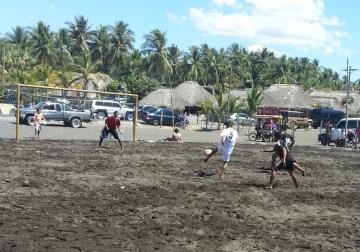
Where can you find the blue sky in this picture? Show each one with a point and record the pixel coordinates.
(323, 29)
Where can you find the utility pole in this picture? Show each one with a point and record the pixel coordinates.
(3, 73)
(228, 97)
(348, 77)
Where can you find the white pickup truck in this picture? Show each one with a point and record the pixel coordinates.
(105, 108)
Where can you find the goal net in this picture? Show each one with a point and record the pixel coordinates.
(70, 114)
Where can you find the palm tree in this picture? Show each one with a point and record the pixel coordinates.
(100, 48)
(253, 100)
(85, 67)
(19, 37)
(195, 67)
(80, 34)
(122, 42)
(174, 55)
(62, 54)
(206, 107)
(156, 55)
(41, 40)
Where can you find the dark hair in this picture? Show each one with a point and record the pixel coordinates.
(116, 112)
(176, 130)
(228, 124)
(277, 135)
(38, 109)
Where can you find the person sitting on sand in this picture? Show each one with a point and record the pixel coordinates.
(176, 136)
(287, 160)
(225, 145)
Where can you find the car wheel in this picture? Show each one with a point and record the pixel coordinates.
(178, 125)
(30, 120)
(76, 123)
(129, 116)
(101, 115)
(155, 122)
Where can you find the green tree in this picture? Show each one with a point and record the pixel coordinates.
(19, 36)
(140, 84)
(253, 100)
(41, 40)
(122, 40)
(154, 49)
(206, 108)
(100, 48)
(80, 35)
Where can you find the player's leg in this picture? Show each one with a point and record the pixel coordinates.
(116, 136)
(211, 154)
(273, 172)
(103, 135)
(292, 175)
(223, 170)
(299, 168)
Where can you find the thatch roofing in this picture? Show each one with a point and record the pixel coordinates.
(193, 93)
(187, 94)
(240, 93)
(333, 99)
(162, 98)
(286, 95)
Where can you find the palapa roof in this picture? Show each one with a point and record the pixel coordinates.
(193, 93)
(162, 98)
(286, 95)
(333, 99)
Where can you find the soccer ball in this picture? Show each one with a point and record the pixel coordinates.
(208, 151)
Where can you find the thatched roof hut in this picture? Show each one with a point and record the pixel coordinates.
(240, 93)
(193, 93)
(162, 98)
(334, 99)
(286, 96)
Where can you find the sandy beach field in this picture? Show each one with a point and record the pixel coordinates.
(73, 196)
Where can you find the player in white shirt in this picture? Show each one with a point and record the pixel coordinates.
(226, 146)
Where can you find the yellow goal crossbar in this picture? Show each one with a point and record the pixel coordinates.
(18, 92)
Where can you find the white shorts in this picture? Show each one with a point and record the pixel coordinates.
(225, 151)
(37, 126)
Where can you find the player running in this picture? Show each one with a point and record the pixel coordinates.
(225, 145)
(287, 160)
(38, 119)
(112, 126)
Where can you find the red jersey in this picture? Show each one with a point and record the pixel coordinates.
(112, 122)
(357, 132)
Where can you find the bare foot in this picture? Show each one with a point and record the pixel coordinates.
(303, 172)
(269, 187)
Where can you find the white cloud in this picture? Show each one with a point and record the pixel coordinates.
(52, 7)
(227, 3)
(172, 17)
(301, 24)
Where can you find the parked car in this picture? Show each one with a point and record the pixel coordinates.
(324, 115)
(242, 119)
(104, 108)
(338, 132)
(144, 110)
(167, 118)
(55, 111)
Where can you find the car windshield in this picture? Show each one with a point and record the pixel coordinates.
(39, 105)
(151, 110)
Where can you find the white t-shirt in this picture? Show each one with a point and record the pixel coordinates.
(230, 136)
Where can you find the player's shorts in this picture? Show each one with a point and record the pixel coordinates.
(37, 126)
(105, 132)
(226, 151)
(289, 166)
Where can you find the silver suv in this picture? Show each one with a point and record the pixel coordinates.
(104, 108)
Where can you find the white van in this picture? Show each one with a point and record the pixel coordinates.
(338, 132)
(107, 107)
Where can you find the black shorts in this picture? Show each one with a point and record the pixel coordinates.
(105, 132)
(289, 166)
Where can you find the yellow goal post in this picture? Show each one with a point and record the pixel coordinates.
(18, 101)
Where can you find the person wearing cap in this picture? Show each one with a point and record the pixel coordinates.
(112, 126)
(225, 145)
(288, 162)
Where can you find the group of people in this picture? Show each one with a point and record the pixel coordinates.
(281, 149)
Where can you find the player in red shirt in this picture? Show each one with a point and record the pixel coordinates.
(111, 124)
